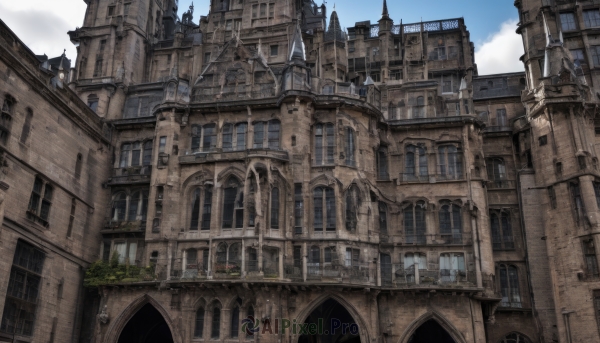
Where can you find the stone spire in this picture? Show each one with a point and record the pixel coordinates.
(385, 14)
(297, 51)
(334, 32)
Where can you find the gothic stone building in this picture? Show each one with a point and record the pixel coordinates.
(262, 162)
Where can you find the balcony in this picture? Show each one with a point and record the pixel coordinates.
(198, 157)
(497, 129)
(131, 175)
(231, 93)
(396, 276)
(358, 273)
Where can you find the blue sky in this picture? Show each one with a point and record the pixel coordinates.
(43, 24)
(482, 17)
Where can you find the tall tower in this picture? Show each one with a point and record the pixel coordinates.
(556, 142)
(112, 45)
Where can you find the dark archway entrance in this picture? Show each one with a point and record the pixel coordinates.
(146, 326)
(431, 332)
(334, 325)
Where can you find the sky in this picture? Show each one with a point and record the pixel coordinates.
(43, 24)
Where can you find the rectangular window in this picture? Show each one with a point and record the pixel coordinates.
(227, 137)
(240, 132)
(102, 44)
(228, 25)
(254, 11)
(451, 266)
(111, 11)
(591, 18)
(126, 9)
(274, 50)
(273, 136)
(595, 50)
(259, 135)
(578, 56)
(567, 21)
(21, 301)
(263, 10)
(206, 57)
(40, 202)
(591, 260)
(98, 68)
(447, 88)
(543, 140)
(297, 256)
(501, 117)
(209, 137)
(162, 144)
(71, 217)
(272, 10)
(352, 257)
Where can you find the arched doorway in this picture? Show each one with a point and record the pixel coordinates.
(333, 324)
(431, 331)
(146, 326)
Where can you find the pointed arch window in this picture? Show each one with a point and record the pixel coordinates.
(199, 323)
(6, 118)
(414, 223)
(502, 235)
(324, 144)
(314, 261)
(229, 258)
(233, 205)
(450, 162)
(201, 203)
(352, 206)
(324, 209)
(451, 223)
(350, 148)
(275, 208)
(509, 286)
(415, 167)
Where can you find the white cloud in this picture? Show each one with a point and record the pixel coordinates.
(43, 24)
(500, 53)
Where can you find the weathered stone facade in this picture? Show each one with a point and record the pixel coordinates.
(267, 163)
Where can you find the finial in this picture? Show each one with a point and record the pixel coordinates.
(385, 12)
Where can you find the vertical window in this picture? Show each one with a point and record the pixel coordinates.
(577, 201)
(392, 109)
(125, 151)
(352, 206)
(591, 18)
(596, 299)
(233, 200)
(597, 193)
(40, 202)
(147, 157)
(314, 261)
(502, 237)
(119, 206)
(78, 163)
(595, 49)
(254, 11)
(275, 208)
(93, 102)
(567, 21)
(415, 166)
(21, 300)
(350, 148)
(274, 50)
(451, 224)
(136, 153)
(352, 257)
(209, 141)
(216, 323)
(98, 68)
(71, 217)
(204, 207)
(227, 137)
(497, 172)
(414, 223)
(324, 144)
(26, 126)
(240, 132)
(419, 109)
(509, 286)
(298, 208)
(415, 260)
(383, 226)
(235, 322)
(324, 209)
(501, 117)
(199, 323)
(273, 137)
(297, 256)
(259, 132)
(452, 266)
(450, 162)
(6, 118)
(196, 137)
(382, 164)
(591, 260)
(327, 252)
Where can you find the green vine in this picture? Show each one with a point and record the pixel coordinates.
(105, 273)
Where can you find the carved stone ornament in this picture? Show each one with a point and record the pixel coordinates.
(103, 316)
